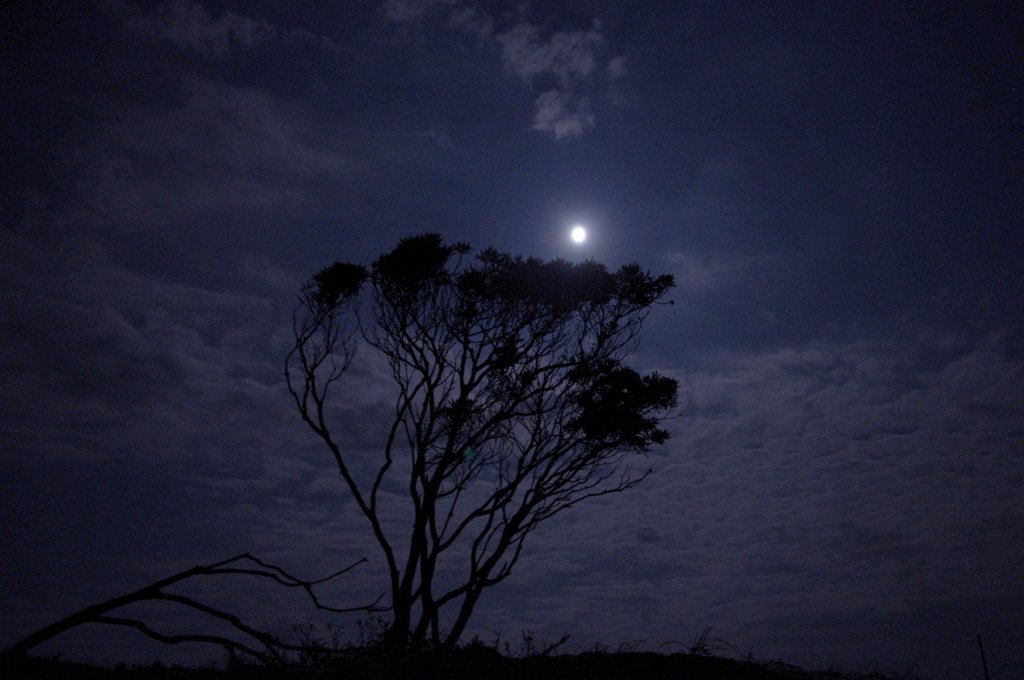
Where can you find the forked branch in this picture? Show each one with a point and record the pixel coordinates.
(272, 646)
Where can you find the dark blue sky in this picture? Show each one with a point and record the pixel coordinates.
(837, 190)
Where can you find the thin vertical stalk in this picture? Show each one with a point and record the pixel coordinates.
(983, 663)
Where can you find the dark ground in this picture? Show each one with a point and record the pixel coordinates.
(466, 664)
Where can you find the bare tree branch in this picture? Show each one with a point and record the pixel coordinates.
(97, 613)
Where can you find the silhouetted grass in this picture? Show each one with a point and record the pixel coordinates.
(473, 661)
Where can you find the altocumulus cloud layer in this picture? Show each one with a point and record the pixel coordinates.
(859, 480)
(846, 481)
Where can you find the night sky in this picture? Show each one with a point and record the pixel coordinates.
(837, 187)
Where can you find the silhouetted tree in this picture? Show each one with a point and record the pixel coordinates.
(511, 381)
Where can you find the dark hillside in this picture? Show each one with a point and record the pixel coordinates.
(460, 666)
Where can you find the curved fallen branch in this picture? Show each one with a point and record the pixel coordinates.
(272, 646)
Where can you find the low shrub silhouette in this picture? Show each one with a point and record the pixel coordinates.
(372, 659)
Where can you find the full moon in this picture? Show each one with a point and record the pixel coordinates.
(579, 234)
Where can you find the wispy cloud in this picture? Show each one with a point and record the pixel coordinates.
(407, 10)
(618, 68)
(566, 67)
(472, 21)
(191, 26)
(569, 59)
(563, 55)
(562, 115)
(223, 147)
(702, 272)
(696, 272)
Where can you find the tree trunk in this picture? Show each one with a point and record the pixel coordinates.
(396, 638)
(464, 613)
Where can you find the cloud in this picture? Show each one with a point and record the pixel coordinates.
(617, 68)
(567, 67)
(809, 486)
(190, 26)
(223, 147)
(564, 55)
(434, 135)
(569, 59)
(697, 272)
(115, 379)
(407, 10)
(101, 366)
(562, 115)
(472, 21)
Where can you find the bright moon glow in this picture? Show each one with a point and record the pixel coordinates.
(579, 234)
